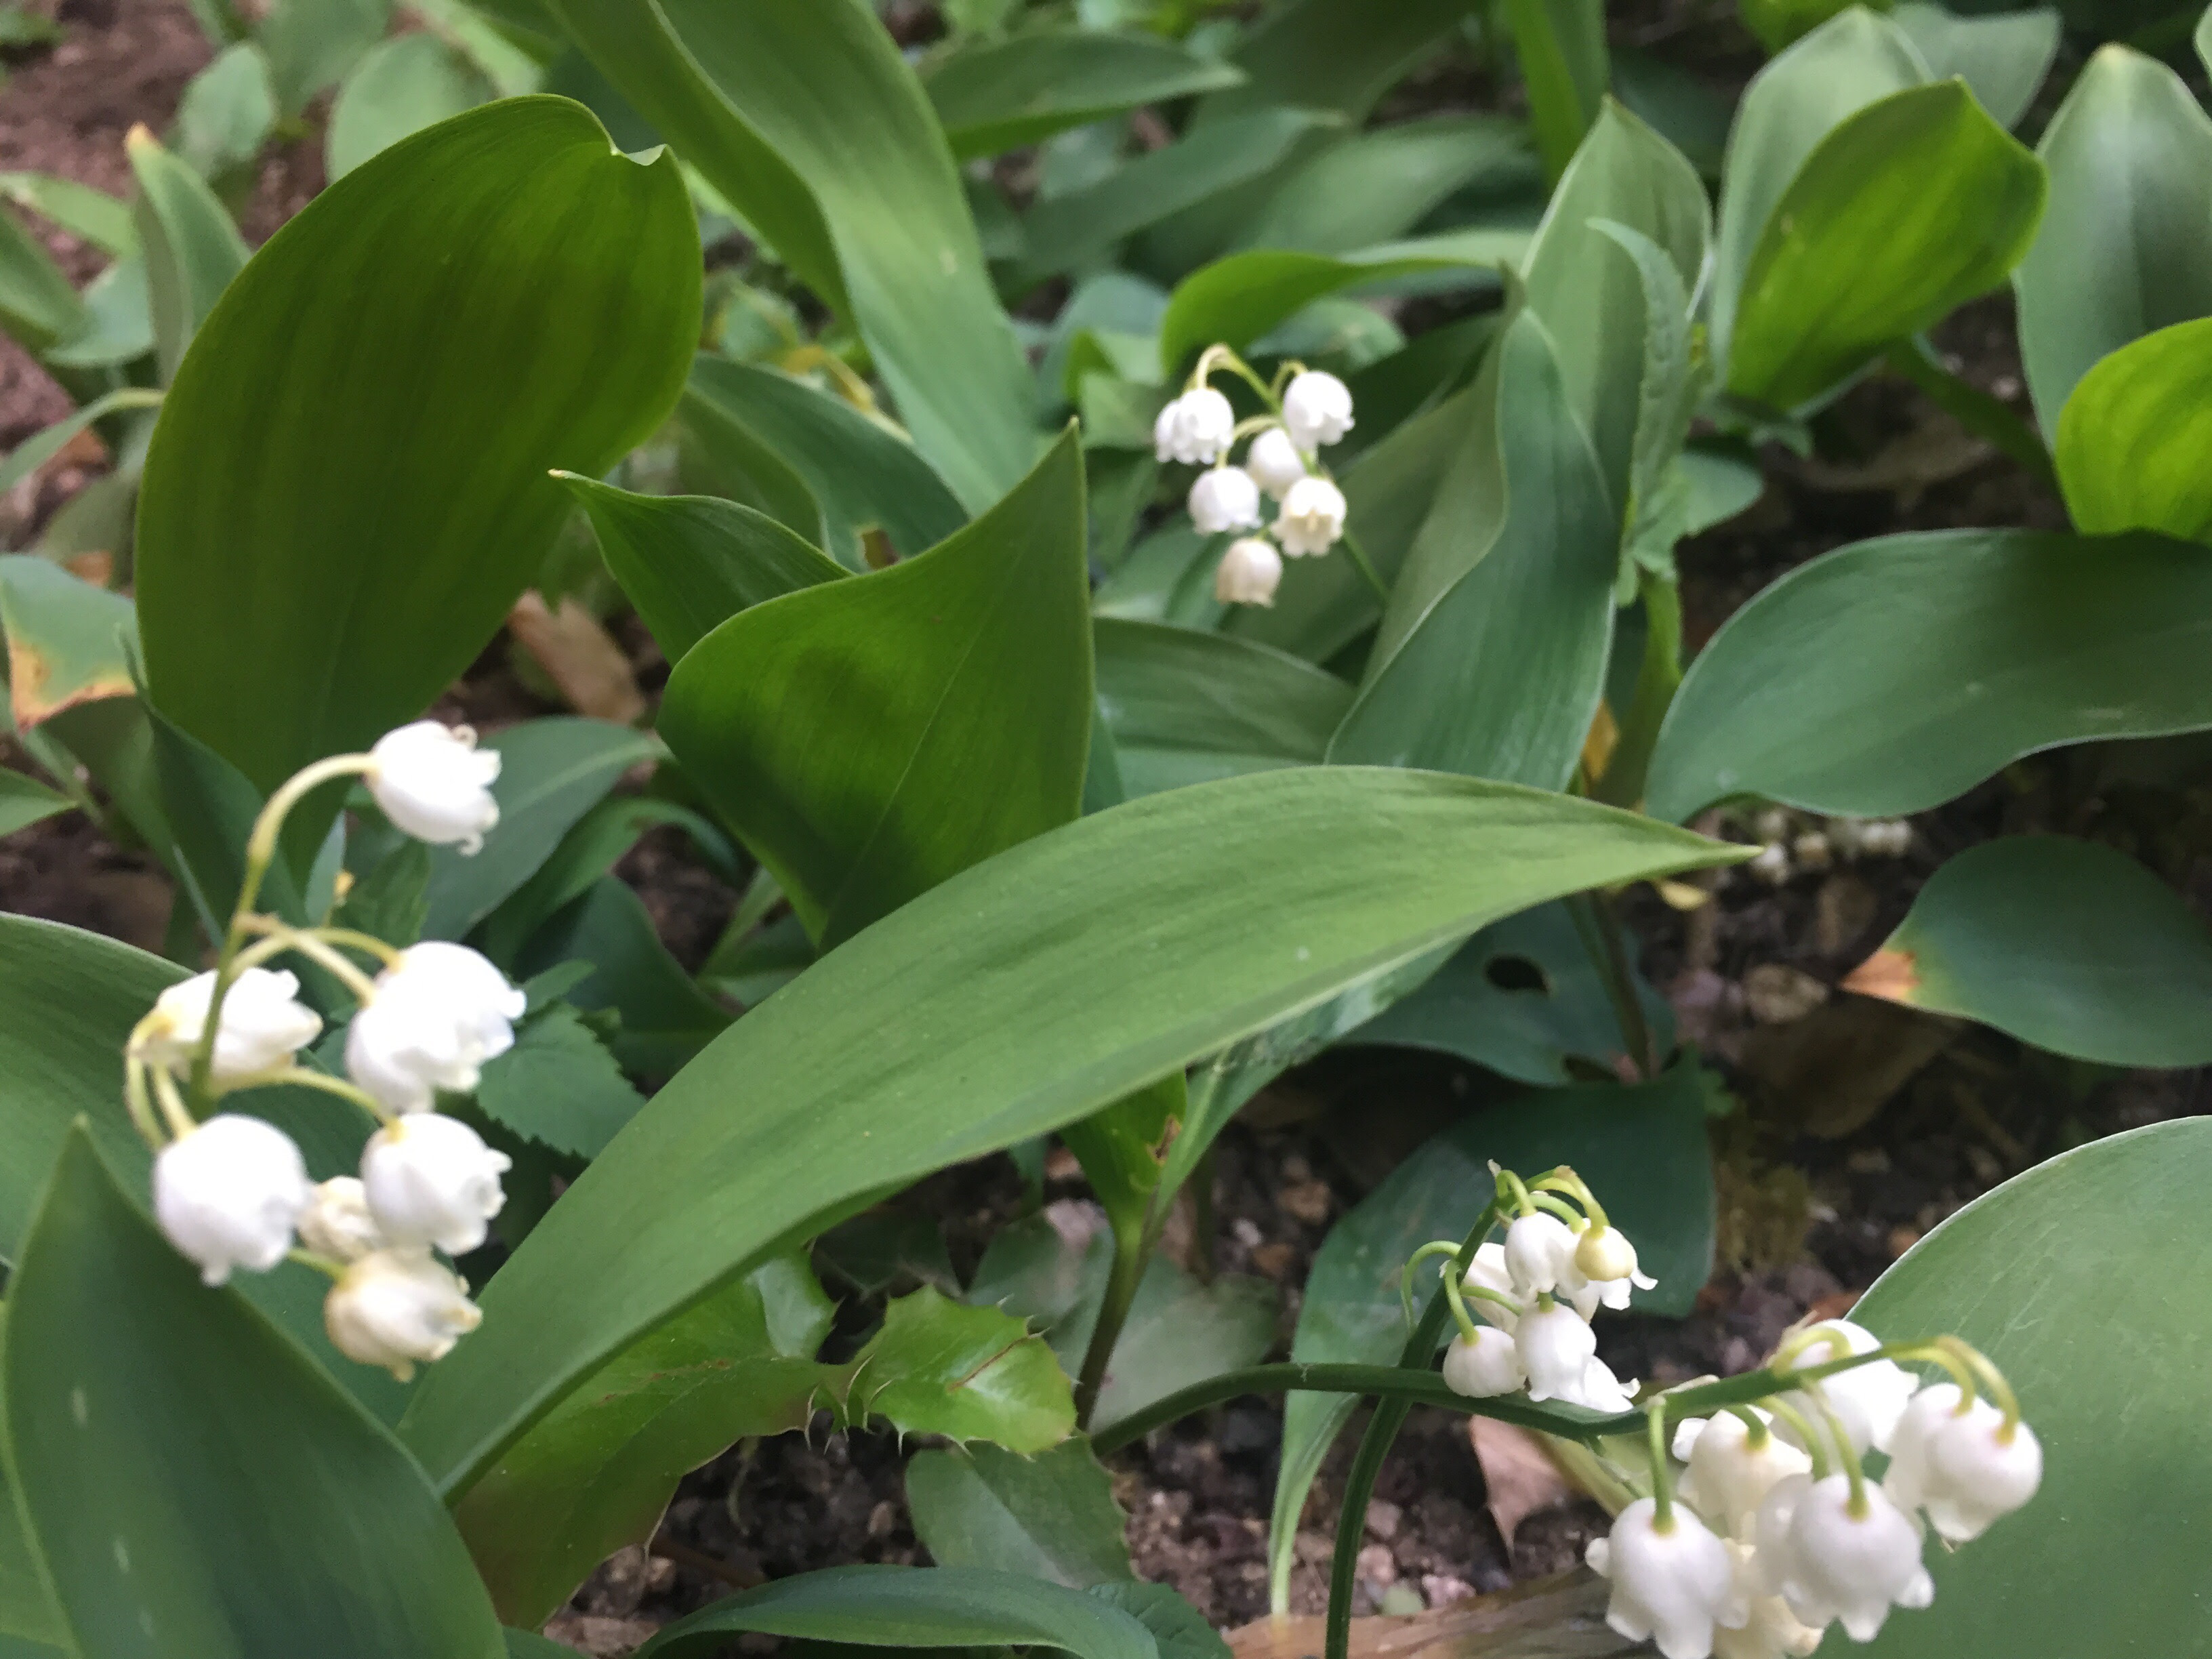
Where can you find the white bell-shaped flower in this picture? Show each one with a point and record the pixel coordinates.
(435, 784)
(1317, 409)
(338, 1223)
(1602, 1391)
(1835, 1565)
(1196, 428)
(1960, 1466)
(1250, 571)
(1606, 1261)
(1771, 1631)
(1275, 462)
(1223, 498)
(1556, 1346)
(1311, 518)
(1485, 1367)
(1674, 1588)
(393, 1307)
(1488, 1272)
(1540, 1254)
(263, 1027)
(437, 1016)
(1728, 1477)
(429, 1180)
(1867, 1400)
(228, 1194)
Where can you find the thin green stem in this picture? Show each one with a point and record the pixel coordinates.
(181, 1119)
(330, 1266)
(351, 938)
(1130, 1252)
(1974, 409)
(1657, 682)
(1755, 1428)
(1438, 1247)
(1662, 1489)
(141, 1102)
(1557, 1207)
(1514, 1190)
(1600, 931)
(1564, 1180)
(1845, 1449)
(1366, 568)
(305, 1079)
(1805, 1433)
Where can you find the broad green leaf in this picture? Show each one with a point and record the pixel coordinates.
(402, 86)
(1642, 1151)
(2066, 1277)
(559, 1086)
(198, 1476)
(973, 665)
(227, 111)
(1000, 94)
(35, 452)
(2003, 57)
(496, 296)
(1183, 706)
(39, 306)
(314, 44)
(1179, 1332)
(2126, 245)
(1052, 1515)
(664, 1018)
(597, 1474)
(2063, 944)
(803, 115)
(976, 1015)
(1778, 22)
(68, 641)
(2132, 435)
(89, 214)
(690, 563)
(1907, 209)
(912, 1607)
(30, 1627)
(1829, 692)
(192, 251)
(941, 1367)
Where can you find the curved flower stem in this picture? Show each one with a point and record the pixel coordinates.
(1557, 1207)
(1662, 1487)
(1993, 1379)
(1755, 1428)
(350, 937)
(1438, 1247)
(1814, 1449)
(311, 1079)
(1564, 1180)
(311, 944)
(1845, 1451)
(328, 1265)
(141, 1102)
(1514, 1190)
(181, 1119)
(1943, 1352)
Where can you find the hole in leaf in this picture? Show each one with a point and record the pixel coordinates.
(1516, 974)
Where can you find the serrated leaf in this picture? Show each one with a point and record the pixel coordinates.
(559, 1086)
(939, 1367)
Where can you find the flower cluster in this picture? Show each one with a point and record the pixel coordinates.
(1312, 409)
(232, 1191)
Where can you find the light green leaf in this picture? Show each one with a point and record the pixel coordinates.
(90, 216)
(193, 250)
(312, 44)
(25, 801)
(69, 642)
(30, 1627)
(1564, 70)
(2065, 1277)
(1000, 94)
(201, 1476)
(402, 86)
(2003, 57)
(1052, 1515)
(2063, 944)
(116, 325)
(229, 110)
(36, 451)
(294, 602)
(1826, 692)
(803, 115)
(39, 306)
(941, 1367)
(559, 1086)
(2133, 435)
(976, 1015)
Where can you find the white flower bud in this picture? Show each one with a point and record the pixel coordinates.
(1772, 1631)
(1488, 1272)
(438, 1014)
(1311, 518)
(337, 1223)
(1960, 1466)
(395, 1307)
(1606, 1261)
(1249, 574)
(1275, 462)
(428, 1180)
(1540, 1254)
(1196, 428)
(1728, 1477)
(229, 1193)
(1556, 1346)
(1833, 1564)
(1867, 1400)
(261, 1026)
(1223, 499)
(1489, 1365)
(435, 784)
(1317, 409)
(1672, 1587)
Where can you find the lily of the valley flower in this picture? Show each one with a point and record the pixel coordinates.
(1771, 1631)
(1311, 518)
(1867, 1399)
(262, 1027)
(228, 1194)
(434, 783)
(1673, 1586)
(1730, 1472)
(1196, 428)
(1604, 1256)
(1275, 462)
(1316, 409)
(1250, 571)
(1557, 1346)
(437, 1016)
(429, 1180)
(1965, 1469)
(1540, 1254)
(337, 1223)
(1488, 1272)
(1223, 498)
(1830, 1561)
(1485, 1366)
(393, 1307)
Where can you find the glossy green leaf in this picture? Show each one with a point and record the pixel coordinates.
(198, 1475)
(1052, 1515)
(192, 251)
(912, 1607)
(1004, 1029)
(974, 734)
(2066, 1277)
(2063, 944)
(2003, 57)
(999, 94)
(68, 641)
(38, 305)
(89, 214)
(402, 86)
(2126, 245)
(940, 1367)
(493, 297)
(1184, 706)
(597, 1474)
(1907, 209)
(690, 563)
(228, 109)
(559, 1086)
(1892, 675)
(803, 115)
(2133, 435)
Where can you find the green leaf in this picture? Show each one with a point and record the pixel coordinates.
(2065, 1277)
(1184, 706)
(803, 115)
(2002, 57)
(39, 306)
(68, 641)
(89, 214)
(2063, 944)
(312, 44)
(998, 96)
(559, 1086)
(486, 300)
(912, 1607)
(1906, 209)
(1824, 692)
(227, 111)
(25, 801)
(1564, 70)
(30, 1628)
(690, 563)
(1778, 22)
(390, 901)
(2126, 247)
(200, 1476)
(940, 1367)
(36, 451)
(1369, 187)
(974, 664)
(2133, 432)
(976, 1015)
(116, 325)
(1180, 1628)
(597, 1474)
(1052, 1515)
(193, 250)
(402, 86)
(665, 1018)
(1179, 1332)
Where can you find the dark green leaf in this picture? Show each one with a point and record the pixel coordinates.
(559, 1086)
(402, 86)
(2003, 57)
(390, 901)
(886, 1250)
(1179, 1332)
(940, 1367)
(192, 251)
(30, 1628)
(2133, 435)
(1564, 70)
(665, 1018)
(1052, 1515)
(1180, 1628)
(999, 95)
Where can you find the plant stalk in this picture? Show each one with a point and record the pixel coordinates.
(1131, 1251)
